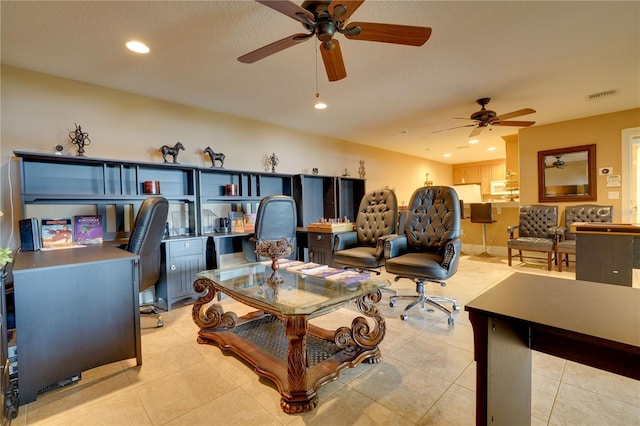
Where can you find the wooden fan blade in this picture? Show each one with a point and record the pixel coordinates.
(451, 128)
(272, 48)
(514, 114)
(288, 8)
(514, 123)
(332, 58)
(349, 6)
(475, 132)
(388, 33)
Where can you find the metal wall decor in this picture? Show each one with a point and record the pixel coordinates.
(172, 151)
(215, 156)
(80, 138)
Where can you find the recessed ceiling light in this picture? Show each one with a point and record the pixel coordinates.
(491, 148)
(320, 105)
(447, 155)
(473, 141)
(138, 47)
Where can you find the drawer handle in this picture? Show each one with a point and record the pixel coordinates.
(173, 267)
(187, 245)
(318, 237)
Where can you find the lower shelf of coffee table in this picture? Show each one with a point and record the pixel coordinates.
(298, 368)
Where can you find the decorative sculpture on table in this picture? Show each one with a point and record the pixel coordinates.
(361, 170)
(273, 162)
(215, 156)
(274, 250)
(172, 151)
(80, 138)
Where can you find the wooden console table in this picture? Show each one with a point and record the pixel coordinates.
(590, 323)
(278, 339)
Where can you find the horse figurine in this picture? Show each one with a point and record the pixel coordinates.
(214, 156)
(171, 150)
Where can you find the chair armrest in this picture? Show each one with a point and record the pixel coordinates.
(345, 240)
(557, 230)
(452, 250)
(380, 245)
(395, 246)
(511, 229)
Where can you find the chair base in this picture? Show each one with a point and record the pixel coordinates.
(152, 311)
(423, 299)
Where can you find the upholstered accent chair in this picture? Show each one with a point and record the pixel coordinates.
(145, 240)
(276, 218)
(429, 248)
(536, 232)
(582, 213)
(377, 219)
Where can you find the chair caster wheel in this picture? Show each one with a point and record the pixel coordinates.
(450, 321)
(392, 303)
(160, 323)
(404, 317)
(456, 307)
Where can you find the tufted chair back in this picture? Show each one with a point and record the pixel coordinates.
(536, 220)
(433, 218)
(585, 213)
(377, 216)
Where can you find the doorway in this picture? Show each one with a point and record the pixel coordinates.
(630, 175)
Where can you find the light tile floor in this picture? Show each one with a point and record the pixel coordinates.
(427, 376)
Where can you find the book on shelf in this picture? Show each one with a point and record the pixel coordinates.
(88, 229)
(56, 231)
(249, 222)
(236, 221)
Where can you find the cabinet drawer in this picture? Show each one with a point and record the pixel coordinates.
(321, 240)
(185, 247)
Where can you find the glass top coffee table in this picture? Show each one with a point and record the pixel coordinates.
(278, 339)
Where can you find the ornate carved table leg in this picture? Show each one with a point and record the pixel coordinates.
(360, 334)
(300, 399)
(213, 316)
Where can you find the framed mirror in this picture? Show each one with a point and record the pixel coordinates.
(567, 174)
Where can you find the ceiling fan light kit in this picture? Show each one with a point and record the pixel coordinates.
(324, 18)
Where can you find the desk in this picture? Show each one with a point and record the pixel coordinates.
(590, 323)
(76, 309)
(277, 339)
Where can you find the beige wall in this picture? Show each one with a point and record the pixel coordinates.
(605, 131)
(39, 111)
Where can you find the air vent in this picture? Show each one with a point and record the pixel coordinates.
(601, 95)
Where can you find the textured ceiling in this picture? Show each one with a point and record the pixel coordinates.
(542, 55)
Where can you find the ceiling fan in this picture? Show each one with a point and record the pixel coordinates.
(486, 118)
(558, 164)
(324, 19)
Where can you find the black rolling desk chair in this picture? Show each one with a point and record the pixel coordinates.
(146, 237)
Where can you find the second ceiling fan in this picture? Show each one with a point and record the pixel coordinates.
(326, 18)
(485, 118)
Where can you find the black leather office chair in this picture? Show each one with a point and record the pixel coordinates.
(377, 218)
(146, 237)
(276, 218)
(583, 213)
(430, 248)
(536, 232)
